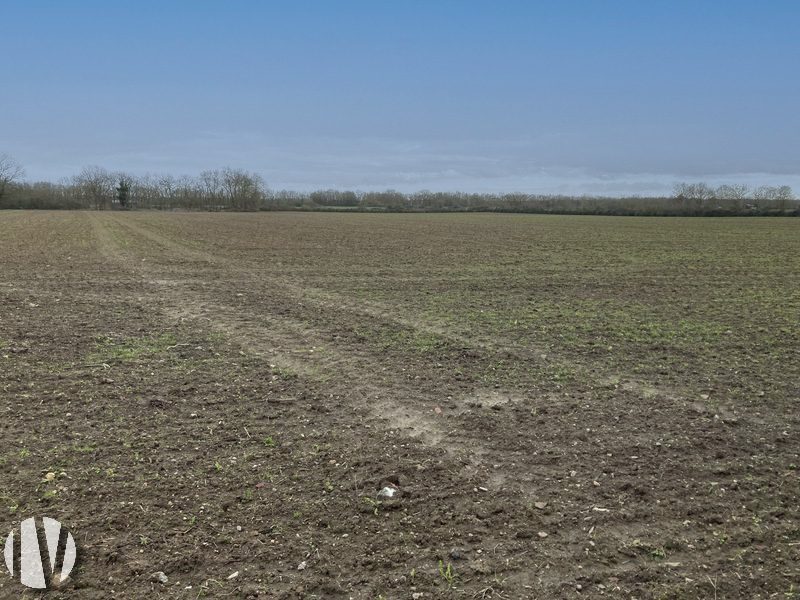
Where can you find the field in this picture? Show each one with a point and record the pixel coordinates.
(567, 407)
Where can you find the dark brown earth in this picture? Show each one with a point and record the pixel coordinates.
(566, 407)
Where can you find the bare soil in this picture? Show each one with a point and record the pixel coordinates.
(564, 407)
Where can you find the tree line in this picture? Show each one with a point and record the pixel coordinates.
(231, 189)
(96, 188)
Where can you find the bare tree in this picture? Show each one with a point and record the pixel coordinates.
(242, 190)
(166, 189)
(735, 194)
(784, 193)
(765, 192)
(703, 191)
(693, 195)
(188, 191)
(210, 182)
(94, 186)
(783, 196)
(693, 191)
(10, 170)
(737, 191)
(681, 190)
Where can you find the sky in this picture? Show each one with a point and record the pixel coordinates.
(608, 97)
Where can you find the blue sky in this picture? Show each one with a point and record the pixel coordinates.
(572, 96)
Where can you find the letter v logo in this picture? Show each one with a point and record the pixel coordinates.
(41, 567)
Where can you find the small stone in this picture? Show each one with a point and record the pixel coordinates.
(302, 566)
(386, 492)
(540, 505)
(456, 554)
(524, 534)
(159, 577)
(233, 575)
(542, 534)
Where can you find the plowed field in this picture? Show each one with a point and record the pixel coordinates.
(562, 407)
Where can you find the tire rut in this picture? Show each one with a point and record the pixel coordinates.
(382, 395)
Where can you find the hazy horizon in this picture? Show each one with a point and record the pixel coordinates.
(572, 97)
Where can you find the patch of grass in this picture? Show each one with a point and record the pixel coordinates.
(658, 553)
(447, 573)
(109, 348)
(285, 372)
(83, 449)
(216, 337)
(372, 503)
(55, 368)
(13, 505)
(418, 342)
